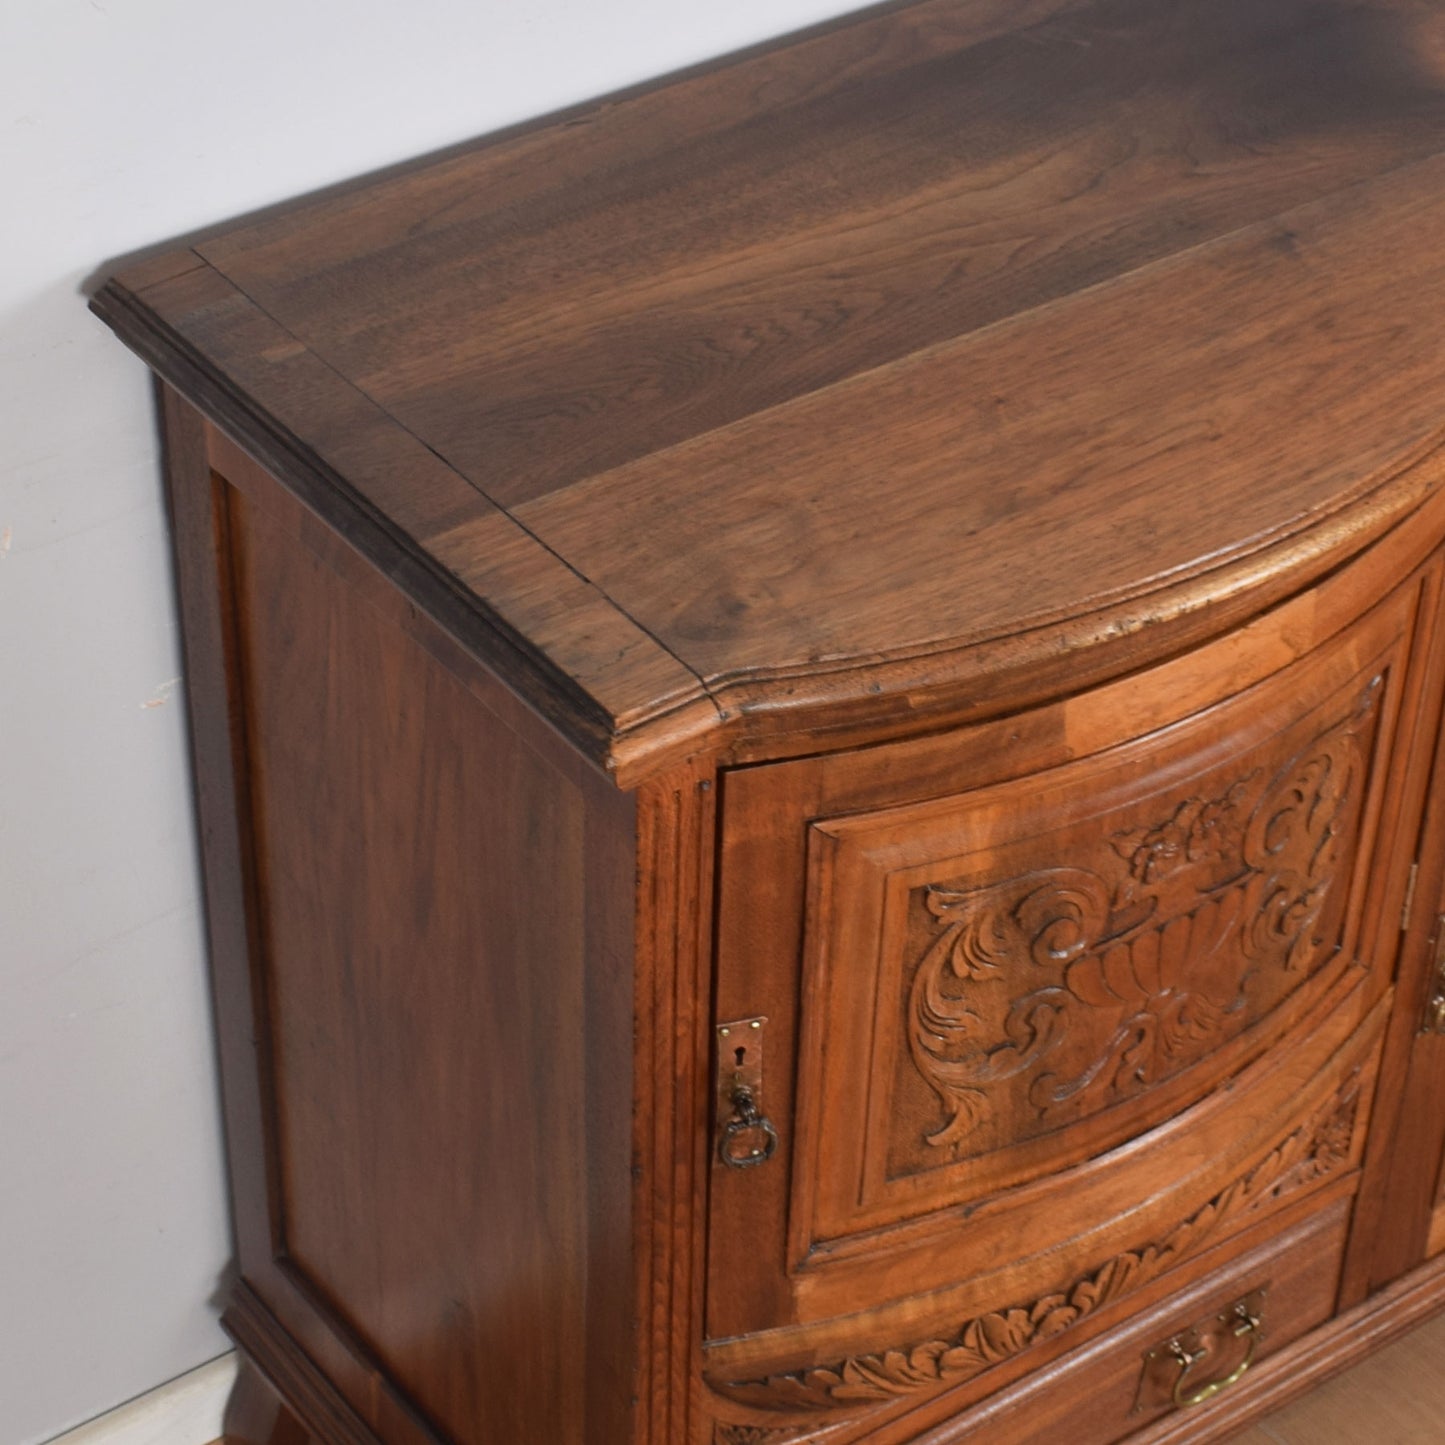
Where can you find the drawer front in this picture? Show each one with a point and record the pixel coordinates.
(1050, 1009)
(1181, 1353)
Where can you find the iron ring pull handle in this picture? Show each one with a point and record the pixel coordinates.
(1249, 1325)
(747, 1120)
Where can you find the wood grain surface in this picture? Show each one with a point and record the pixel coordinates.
(956, 338)
(782, 242)
(436, 1174)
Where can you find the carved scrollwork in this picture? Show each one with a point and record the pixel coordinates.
(751, 1435)
(1088, 983)
(1053, 922)
(1316, 1149)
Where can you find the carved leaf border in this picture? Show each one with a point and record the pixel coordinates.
(752, 1435)
(1314, 1150)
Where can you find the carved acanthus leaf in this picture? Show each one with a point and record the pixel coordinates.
(752, 1435)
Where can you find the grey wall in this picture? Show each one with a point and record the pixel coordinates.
(123, 122)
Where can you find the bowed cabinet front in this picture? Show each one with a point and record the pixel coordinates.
(1062, 1010)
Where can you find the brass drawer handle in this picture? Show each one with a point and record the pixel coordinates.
(1248, 1325)
(746, 1120)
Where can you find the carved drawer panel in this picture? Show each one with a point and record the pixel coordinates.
(1231, 1320)
(1055, 1008)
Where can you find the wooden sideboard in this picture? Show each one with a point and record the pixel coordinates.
(816, 698)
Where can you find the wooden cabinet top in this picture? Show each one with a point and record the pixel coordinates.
(927, 364)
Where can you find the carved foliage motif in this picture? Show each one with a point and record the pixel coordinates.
(1057, 993)
(1317, 1148)
(751, 1435)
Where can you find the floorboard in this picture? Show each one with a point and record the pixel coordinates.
(1395, 1397)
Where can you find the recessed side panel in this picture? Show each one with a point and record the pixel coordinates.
(442, 903)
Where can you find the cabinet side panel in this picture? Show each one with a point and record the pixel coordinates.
(442, 926)
(206, 595)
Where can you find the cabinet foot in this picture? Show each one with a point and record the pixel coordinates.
(257, 1415)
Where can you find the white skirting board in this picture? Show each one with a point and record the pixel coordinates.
(184, 1411)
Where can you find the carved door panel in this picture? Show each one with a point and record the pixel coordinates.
(1051, 1005)
(1039, 971)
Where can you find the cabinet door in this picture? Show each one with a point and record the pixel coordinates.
(1402, 1208)
(1052, 1006)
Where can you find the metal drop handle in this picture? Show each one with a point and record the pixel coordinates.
(1248, 1325)
(733, 1148)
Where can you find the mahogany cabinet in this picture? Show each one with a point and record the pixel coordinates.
(816, 694)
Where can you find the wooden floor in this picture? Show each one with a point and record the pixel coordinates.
(1395, 1397)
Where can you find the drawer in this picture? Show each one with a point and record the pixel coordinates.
(1132, 1376)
